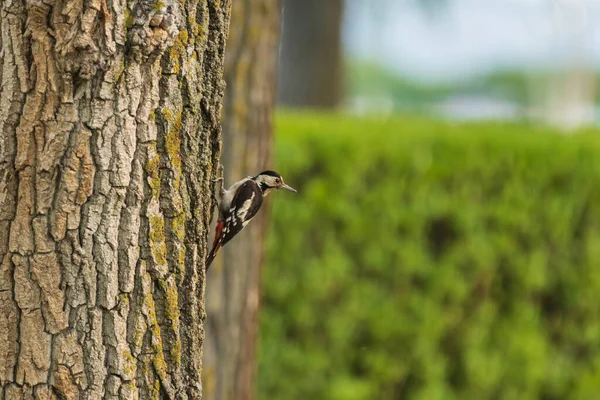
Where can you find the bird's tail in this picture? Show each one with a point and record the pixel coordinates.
(217, 244)
(212, 255)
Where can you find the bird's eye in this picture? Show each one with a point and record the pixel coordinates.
(277, 181)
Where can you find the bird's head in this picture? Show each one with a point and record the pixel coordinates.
(269, 180)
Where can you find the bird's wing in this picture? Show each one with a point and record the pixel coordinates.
(244, 206)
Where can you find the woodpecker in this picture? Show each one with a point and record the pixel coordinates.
(240, 203)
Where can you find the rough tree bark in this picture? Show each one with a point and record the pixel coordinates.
(233, 290)
(311, 54)
(109, 132)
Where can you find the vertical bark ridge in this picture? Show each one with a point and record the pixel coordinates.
(14, 80)
(108, 137)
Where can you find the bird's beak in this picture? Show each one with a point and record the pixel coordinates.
(288, 188)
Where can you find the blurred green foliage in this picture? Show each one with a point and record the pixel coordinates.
(373, 80)
(364, 79)
(428, 260)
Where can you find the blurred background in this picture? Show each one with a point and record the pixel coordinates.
(445, 240)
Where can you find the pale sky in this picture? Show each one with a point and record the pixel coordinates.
(473, 36)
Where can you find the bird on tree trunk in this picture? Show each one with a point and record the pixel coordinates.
(240, 203)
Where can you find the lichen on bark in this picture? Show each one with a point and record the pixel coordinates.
(104, 202)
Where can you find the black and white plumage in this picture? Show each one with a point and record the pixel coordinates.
(239, 204)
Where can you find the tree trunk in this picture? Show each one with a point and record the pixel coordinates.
(311, 54)
(109, 131)
(233, 290)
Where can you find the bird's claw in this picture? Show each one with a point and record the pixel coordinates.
(219, 177)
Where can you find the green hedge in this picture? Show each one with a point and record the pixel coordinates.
(425, 260)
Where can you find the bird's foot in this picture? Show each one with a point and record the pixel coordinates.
(220, 174)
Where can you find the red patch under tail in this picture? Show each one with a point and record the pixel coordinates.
(217, 244)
